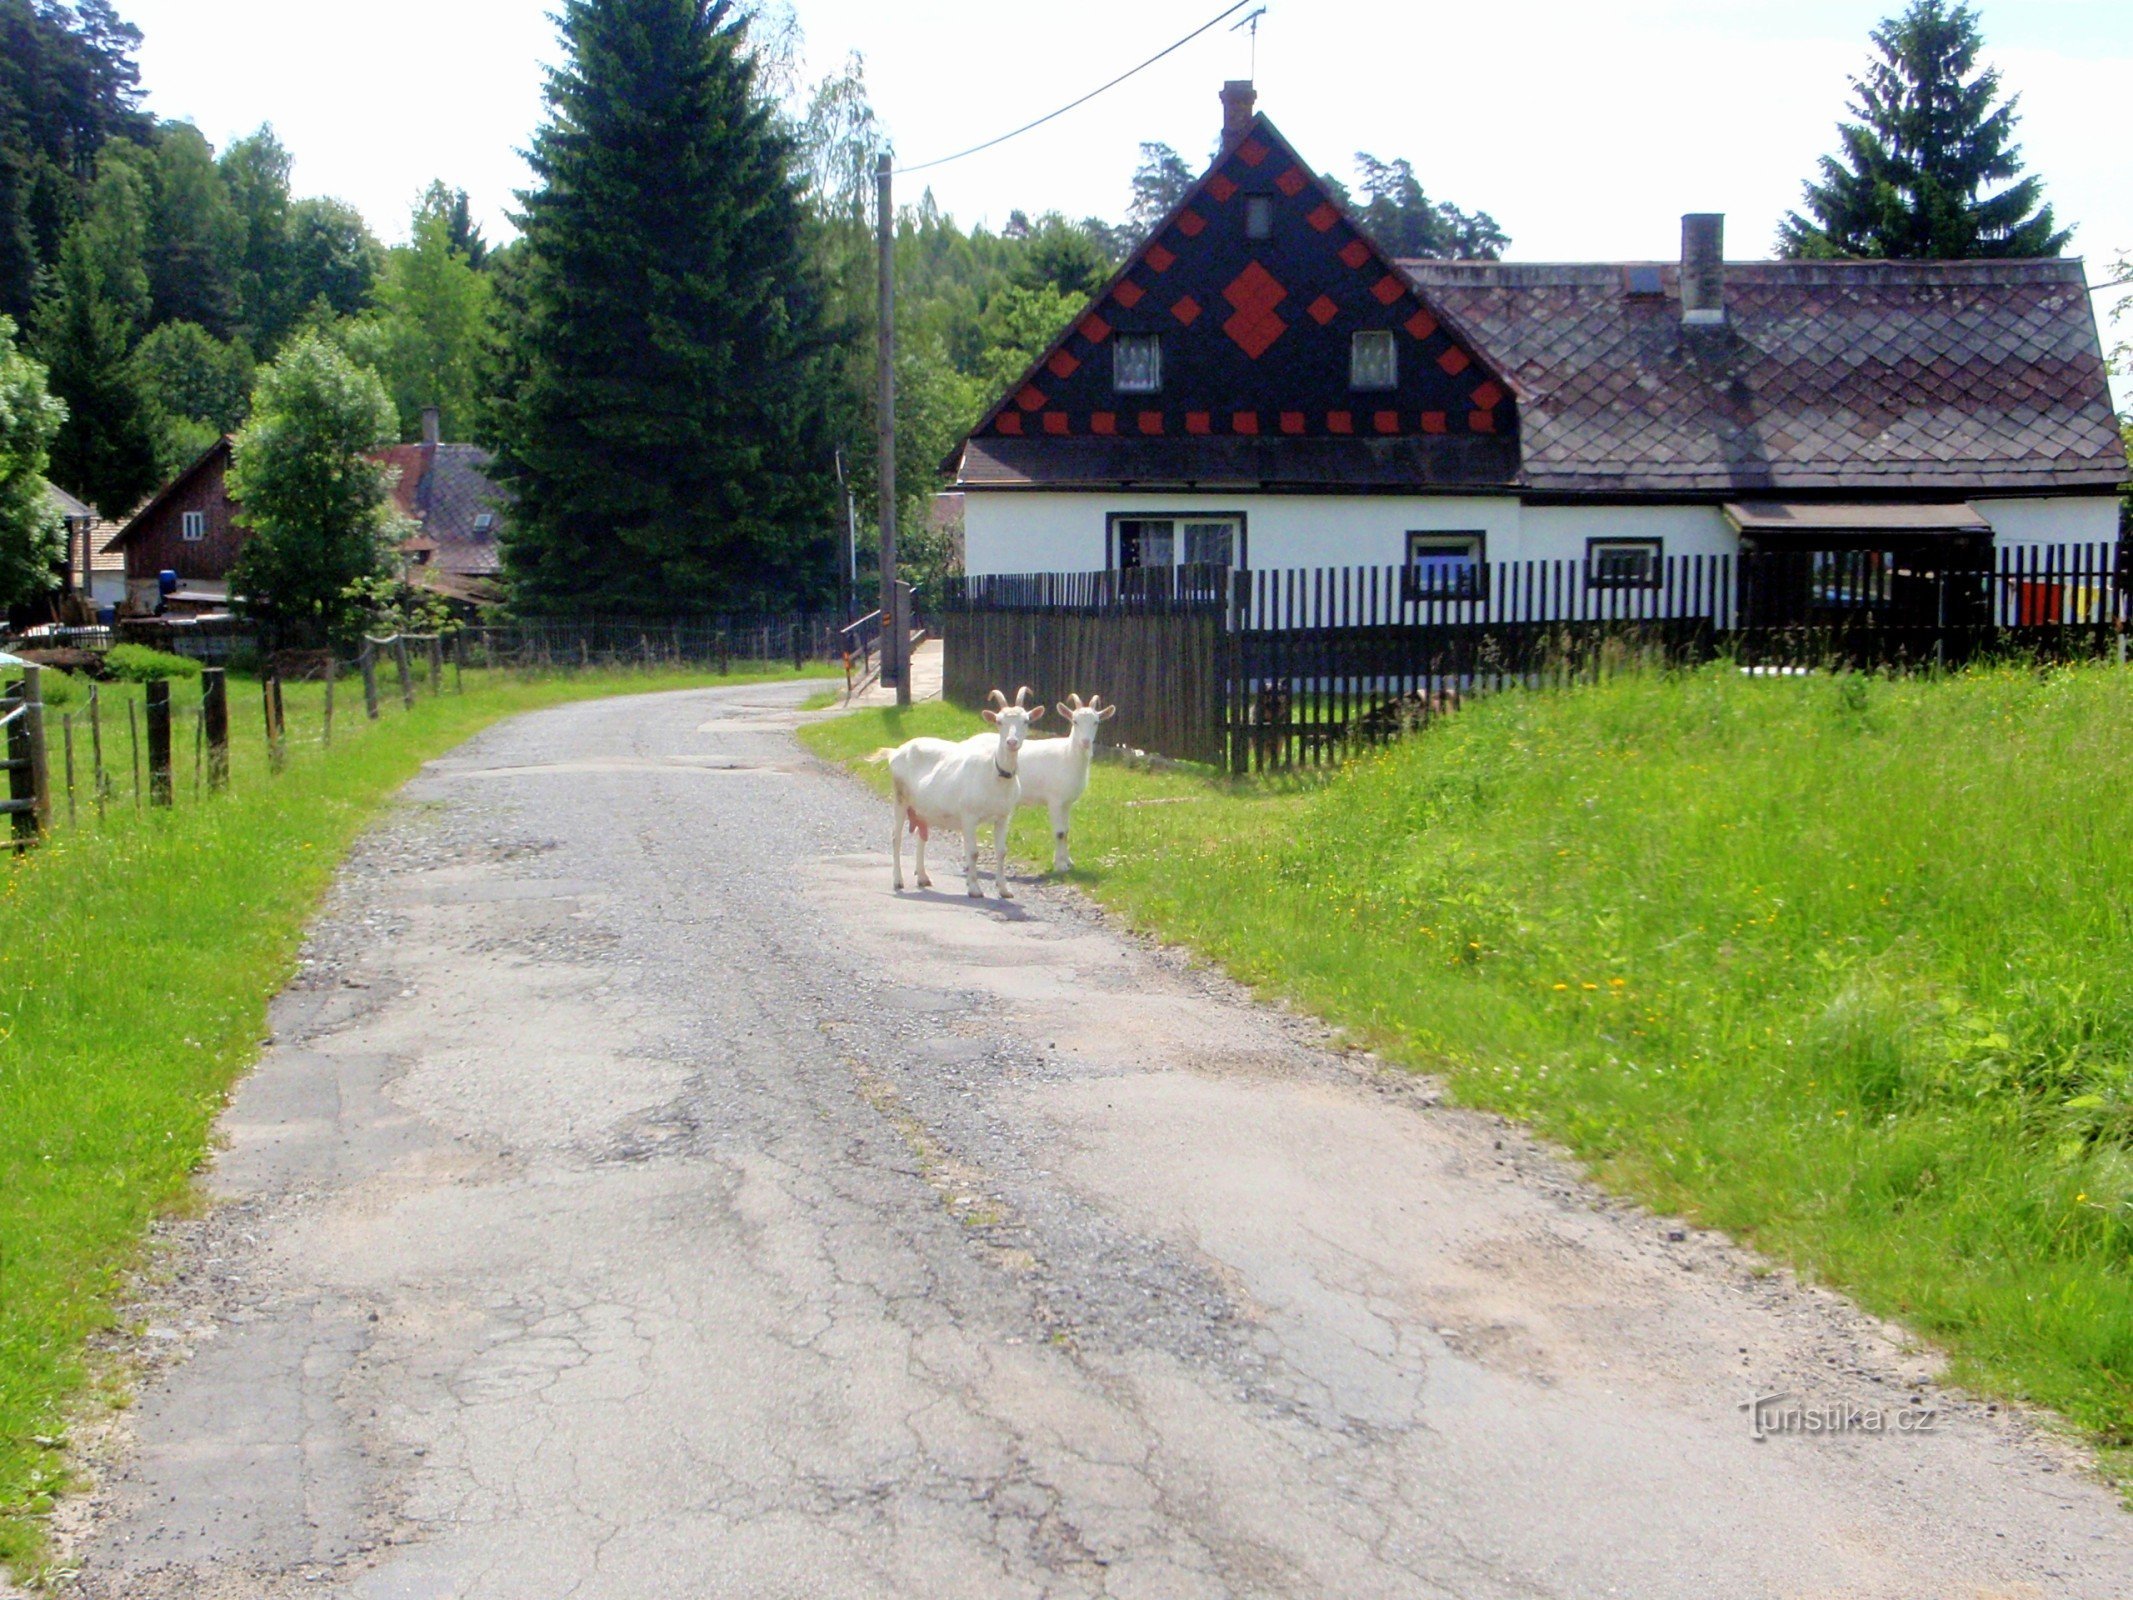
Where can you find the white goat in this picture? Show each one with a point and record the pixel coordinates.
(1055, 772)
(942, 783)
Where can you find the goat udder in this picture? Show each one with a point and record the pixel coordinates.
(918, 825)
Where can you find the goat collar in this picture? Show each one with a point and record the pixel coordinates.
(1002, 771)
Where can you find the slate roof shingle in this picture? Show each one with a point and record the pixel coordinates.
(1934, 377)
(445, 489)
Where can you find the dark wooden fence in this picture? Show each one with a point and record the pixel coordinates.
(1154, 641)
(1267, 670)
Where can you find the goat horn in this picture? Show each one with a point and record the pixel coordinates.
(1022, 695)
(1074, 702)
(1096, 702)
(996, 700)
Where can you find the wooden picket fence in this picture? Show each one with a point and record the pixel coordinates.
(1267, 670)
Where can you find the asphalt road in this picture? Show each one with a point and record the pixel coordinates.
(639, 1201)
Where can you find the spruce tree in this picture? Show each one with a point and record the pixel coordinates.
(1911, 181)
(106, 452)
(664, 415)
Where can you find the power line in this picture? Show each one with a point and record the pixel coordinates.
(1050, 116)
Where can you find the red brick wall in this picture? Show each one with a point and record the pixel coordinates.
(159, 544)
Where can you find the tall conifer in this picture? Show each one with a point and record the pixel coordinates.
(1911, 180)
(663, 421)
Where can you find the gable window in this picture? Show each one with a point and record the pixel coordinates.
(1373, 361)
(1622, 563)
(1446, 566)
(1137, 363)
(1259, 216)
(192, 526)
(1209, 539)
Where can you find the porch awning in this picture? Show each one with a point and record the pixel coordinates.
(1817, 518)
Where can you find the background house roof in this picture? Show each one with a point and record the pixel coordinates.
(1942, 377)
(445, 489)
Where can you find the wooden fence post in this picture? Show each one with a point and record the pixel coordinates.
(215, 723)
(21, 770)
(97, 777)
(367, 662)
(459, 662)
(33, 720)
(270, 697)
(159, 784)
(436, 663)
(333, 671)
(407, 677)
(133, 743)
(66, 731)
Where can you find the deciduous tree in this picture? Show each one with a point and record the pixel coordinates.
(31, 535)
(318, 507)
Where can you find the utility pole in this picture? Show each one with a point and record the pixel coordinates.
(895, 634)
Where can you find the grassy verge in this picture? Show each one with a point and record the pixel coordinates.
(137, 955)
(1838, 965)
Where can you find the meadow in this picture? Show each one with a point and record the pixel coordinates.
(138, 950)
(1838, 964)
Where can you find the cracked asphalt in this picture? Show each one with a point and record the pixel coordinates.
(637, 1200)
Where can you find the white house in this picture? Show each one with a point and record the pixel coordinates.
(1261, 385)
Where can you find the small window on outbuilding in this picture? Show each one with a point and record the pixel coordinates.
(192, 526)
(1446, 566)
(1623, 563)
(1259, 216)
(1374, 361)
(1137, 363)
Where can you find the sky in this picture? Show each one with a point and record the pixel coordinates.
(1585, 129)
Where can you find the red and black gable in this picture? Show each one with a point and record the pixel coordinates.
(1255, 290)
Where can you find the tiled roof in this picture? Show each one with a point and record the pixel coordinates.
(1944, 377)
(446, 490)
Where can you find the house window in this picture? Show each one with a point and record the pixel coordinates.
(1622, 563)
(1213, 540)
(1373, 361)
(192, 526)
(485, 523)
(1446, 566)
(1137, 363)
(1259, 216)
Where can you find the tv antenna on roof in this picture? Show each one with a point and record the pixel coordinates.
(1251, 20)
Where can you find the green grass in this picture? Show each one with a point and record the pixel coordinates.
(1839, 965)
(137, 956)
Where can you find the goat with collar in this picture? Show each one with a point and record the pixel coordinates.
(1055, 772)
(960, 785)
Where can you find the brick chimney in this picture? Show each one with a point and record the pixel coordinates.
(1239, 101)
(432, 427)
(1703, 269)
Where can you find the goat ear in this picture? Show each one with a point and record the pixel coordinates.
(1107, 713)
(989, 714)
(1036, 714)
(1064, 713)
(996, 699)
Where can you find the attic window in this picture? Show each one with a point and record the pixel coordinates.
(1137, 363)
(1373, 361)
(192, 526)
(1641, 281)
(1259, 216)
(485, 523)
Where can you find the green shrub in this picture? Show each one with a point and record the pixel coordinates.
(63, 691)
(136, 663)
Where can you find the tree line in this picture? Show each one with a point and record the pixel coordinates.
(674, 359)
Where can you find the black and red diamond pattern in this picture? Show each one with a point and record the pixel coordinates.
(1256, 332)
